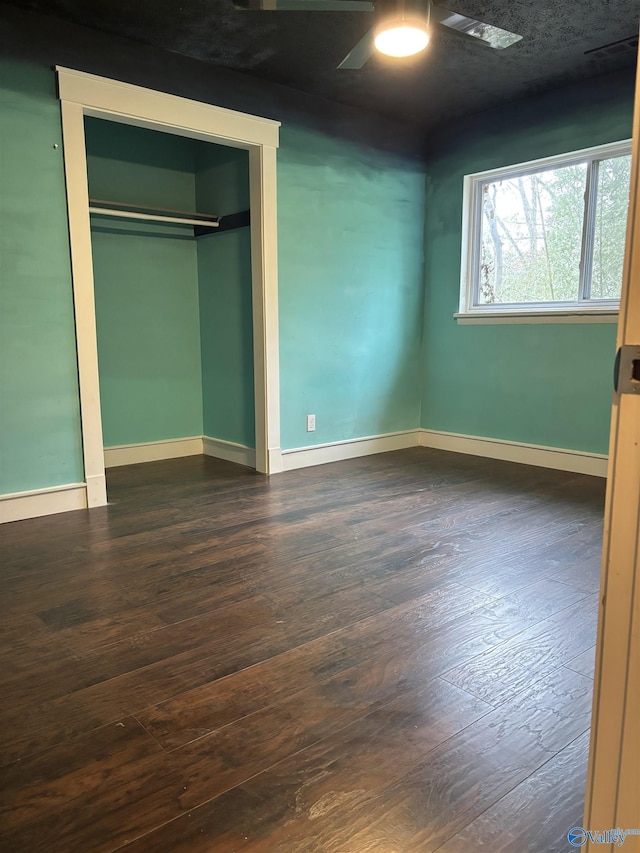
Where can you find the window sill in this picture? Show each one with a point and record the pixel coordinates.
(566, 316)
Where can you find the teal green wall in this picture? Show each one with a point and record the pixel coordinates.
(40, 438)
(350, 259)
(224, 274)
(148, 337)
(351, 228)
(138, 166)
(541, 384)
(146, 286)
(350, 232)
(222, 179)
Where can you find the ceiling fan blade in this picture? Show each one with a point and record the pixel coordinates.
(361, 53)
(490, 35)
(305, 5)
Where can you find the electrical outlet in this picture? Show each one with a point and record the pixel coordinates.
(311, 423)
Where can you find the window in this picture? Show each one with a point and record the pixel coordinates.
(547, 237)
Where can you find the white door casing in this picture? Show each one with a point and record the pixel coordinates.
(88, 95)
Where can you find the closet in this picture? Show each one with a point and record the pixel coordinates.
(172, 277)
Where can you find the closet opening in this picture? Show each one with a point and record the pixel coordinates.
(171, 253)
(92, 106)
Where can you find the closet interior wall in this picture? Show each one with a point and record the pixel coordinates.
(224, 275)
(173, 304)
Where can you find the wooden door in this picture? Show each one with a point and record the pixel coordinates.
(613, 783)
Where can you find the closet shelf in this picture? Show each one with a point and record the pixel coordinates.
(123, 210)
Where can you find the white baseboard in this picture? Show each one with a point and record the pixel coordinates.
(319, 454)
(230, 451)
(39, 502)
(576, 461)
(174, 448)
(152, 451)
(32, 504)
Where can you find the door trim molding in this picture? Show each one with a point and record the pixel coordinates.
(89, 95)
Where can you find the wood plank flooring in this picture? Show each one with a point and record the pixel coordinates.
(386, 654)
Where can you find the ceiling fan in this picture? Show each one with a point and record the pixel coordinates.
(402, 27)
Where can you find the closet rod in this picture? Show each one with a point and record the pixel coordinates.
(170, 211)
(129, 214)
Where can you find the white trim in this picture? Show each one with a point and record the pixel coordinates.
(176, 448)
(471, 230)
(577, 461)
(599, 152)
(320, 454)
(266, 368)
(149, 108)
(86, 94)
(487, 318)
(152, 451)
(33, 504)
(73, 496)
(96, 486)
(231, 451)
(75, 167)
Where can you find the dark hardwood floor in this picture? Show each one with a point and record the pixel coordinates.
(389, 654)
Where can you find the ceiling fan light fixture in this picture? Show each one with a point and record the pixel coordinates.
(400, 37)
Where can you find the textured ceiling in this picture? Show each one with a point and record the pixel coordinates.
(301, 49)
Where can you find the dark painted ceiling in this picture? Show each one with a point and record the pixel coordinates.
(453, 77)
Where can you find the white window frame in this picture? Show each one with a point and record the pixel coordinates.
(584, 311)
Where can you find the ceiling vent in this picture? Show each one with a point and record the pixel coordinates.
(615, 48)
